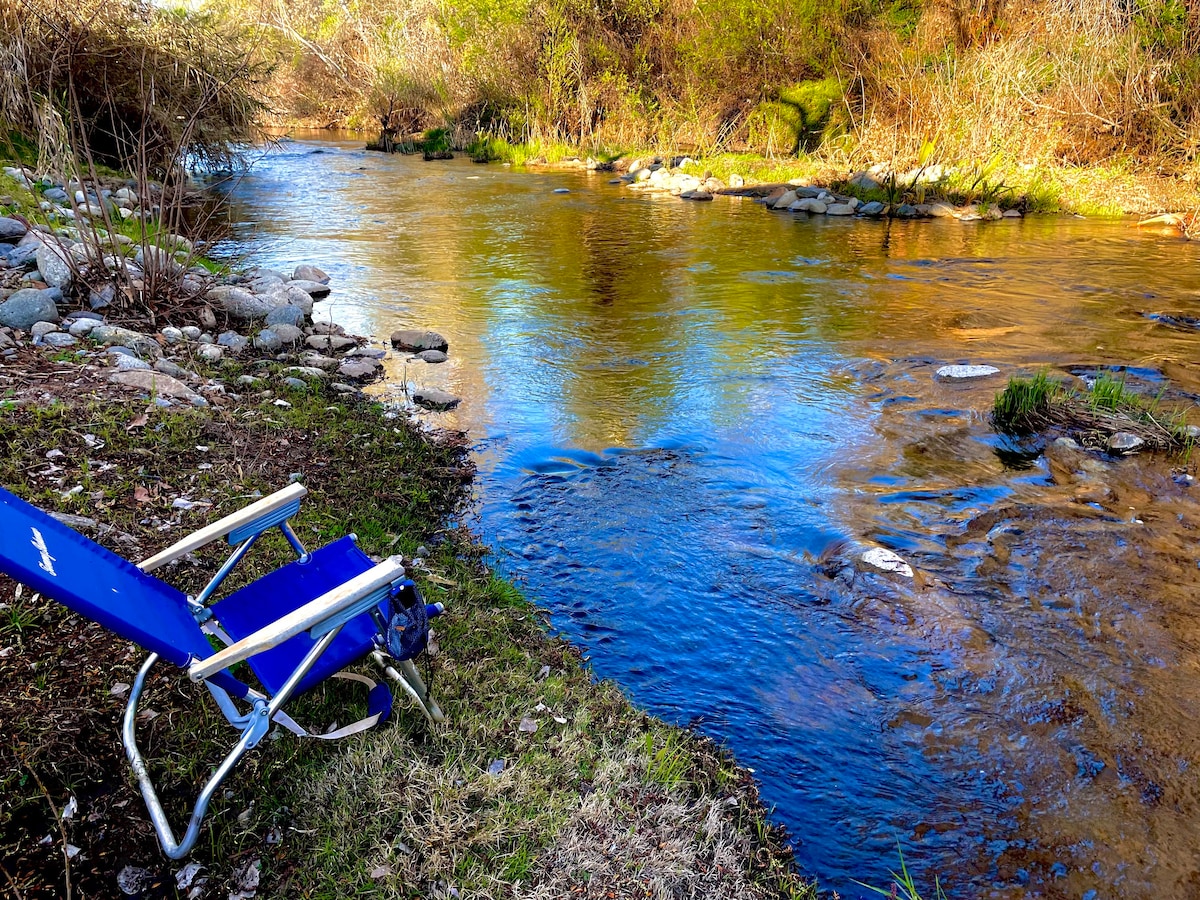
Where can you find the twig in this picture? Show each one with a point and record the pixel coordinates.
(62, 831)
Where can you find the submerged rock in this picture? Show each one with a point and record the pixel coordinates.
(963, 373)
(432, 356)
(886, 561)
(1124, 442)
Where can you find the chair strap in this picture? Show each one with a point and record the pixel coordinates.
(345, 731)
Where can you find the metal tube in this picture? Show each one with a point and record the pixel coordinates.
(226, 568)
(301, 670)
(158, 816)
(286, 527)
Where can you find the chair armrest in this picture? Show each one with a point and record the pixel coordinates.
(310, 615)
(219, 529)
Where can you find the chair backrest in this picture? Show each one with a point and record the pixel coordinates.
(60, 563)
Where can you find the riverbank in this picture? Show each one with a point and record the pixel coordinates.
(543, 783)
(1098, 190)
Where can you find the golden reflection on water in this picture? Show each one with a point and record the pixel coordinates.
(1023, 715)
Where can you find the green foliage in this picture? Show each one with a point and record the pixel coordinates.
(904, 887)
(436, 140)
(800, 119)
(1024, 403)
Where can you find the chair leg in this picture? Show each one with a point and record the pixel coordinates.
(410, 680)
(256, 727)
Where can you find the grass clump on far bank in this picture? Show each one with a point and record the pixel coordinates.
(543, 783)
(1108, 407)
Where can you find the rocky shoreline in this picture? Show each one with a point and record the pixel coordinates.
(59, 291)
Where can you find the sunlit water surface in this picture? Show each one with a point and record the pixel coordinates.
(690, 419)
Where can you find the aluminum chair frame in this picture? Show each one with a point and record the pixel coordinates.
(323, 618)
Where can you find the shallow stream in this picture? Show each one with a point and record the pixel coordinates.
(692, 417)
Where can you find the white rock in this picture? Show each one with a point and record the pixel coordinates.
(809, 205)
(962, 373)
(886, 561)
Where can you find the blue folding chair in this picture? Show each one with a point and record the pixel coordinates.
(294, 627)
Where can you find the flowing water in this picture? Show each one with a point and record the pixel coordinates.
(692, 418)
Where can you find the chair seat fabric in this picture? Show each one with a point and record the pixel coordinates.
(62, 564)
(275, 595)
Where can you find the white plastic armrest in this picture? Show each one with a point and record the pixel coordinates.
(306, 617)
(222, 527)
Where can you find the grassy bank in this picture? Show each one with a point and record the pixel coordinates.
(598, 799)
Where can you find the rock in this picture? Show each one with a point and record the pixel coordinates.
(942, 210)
(736, 180)
(962, 373)
(886, 561)
(306, 272)
(432, 356)
(82, 327)
(40, 329)
(698, 194)
(114, 334)
(191, 332)
(240, 303)
(318, 361)
(906, 211)
(411, 339)
(131, 363)
(874, 209)
(52, 263)
(289, 334)
(171, 334)
(809, 205)
(864, 181)
(1012, 214)
(11, 229)
(211, 353)
(369, 352)
(359, 369)
(102, 297)
(26, 307)
(839, 209)
(343, 388)
(432, 398)
(786, 199)
(158, 384)
(314, 289)
(208, 318)
(133, 880)
(286, 315)
(330, 342)
(169, 368)
(59, 340)
(269, 340)
(296, 384)
(304, 371)
(1124, 442)
(232, 341)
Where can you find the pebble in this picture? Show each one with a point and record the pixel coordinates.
(285, 315)
(59, 340)
(211, 353)
(1124, 442)
(82, 327)
(289, 334)
(303, 371)
(172, 335)
(296, 384)
(359, 368)
(169, 368)
(343, 388)
(235, 342)
(306, 272)
(269, 340)
(128, 363)
(41, 329)
(330, 342)
(432, 356)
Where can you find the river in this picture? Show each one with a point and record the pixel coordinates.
(690, 418)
